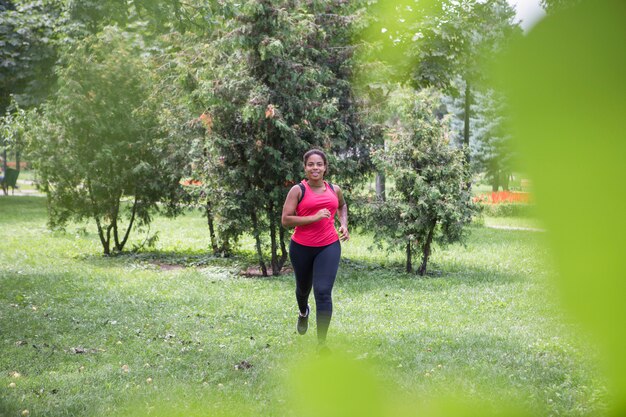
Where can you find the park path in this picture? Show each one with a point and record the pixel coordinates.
(20, 191)
(527, 229)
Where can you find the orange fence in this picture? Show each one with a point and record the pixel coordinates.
(498, 197)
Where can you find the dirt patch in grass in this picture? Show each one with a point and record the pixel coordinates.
(168, 267)
(255, 271)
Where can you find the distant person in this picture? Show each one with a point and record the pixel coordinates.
(315, 250)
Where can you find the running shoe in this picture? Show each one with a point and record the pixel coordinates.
(303, 321)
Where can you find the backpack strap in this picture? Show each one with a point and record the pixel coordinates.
(303, 189)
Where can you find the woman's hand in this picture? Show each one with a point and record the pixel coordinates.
(323, 214)
(343, 233)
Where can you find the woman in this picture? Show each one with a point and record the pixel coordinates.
(314, 250)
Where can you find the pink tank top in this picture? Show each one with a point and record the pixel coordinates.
(322, 232)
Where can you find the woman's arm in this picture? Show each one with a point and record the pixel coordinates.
(289, 217)
(342, 213)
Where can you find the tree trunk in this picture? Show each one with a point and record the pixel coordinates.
(380, 186)
(409, 264)
(283, 247)
(105, 241)
(120, 246)
(495, 182)
(105, 244)
(108, 239)
(115, 239)
(257, 238)
(466, 125)
(505, 181)
(274, 244)
(209, 216)
(426, 251)
(114, 217)
(225, 248)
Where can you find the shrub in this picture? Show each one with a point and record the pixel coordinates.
(98, 142)
(431, 200)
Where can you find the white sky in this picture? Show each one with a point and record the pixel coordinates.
(528, 11)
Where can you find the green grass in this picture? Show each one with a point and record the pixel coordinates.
(484, 323)
(514, 222)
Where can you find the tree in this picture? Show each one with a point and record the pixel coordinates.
(491, 146)
(279, 86)
(12, 128)
(28, 51)
(150, 18)
(490, 142)
(98, 145)
(184, 59)
(458, 43)
(444, 44)
(431, 201)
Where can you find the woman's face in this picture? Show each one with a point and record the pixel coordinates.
(314, 168)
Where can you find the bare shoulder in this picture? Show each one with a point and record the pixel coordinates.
(295, 190)
(339, 193)
(337, 188)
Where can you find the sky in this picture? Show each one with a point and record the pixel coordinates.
(528, 11)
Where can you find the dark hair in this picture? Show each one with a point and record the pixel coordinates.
(315, 151)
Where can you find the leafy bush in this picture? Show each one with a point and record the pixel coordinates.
(431, 200)
(98, 142)
(274, 88)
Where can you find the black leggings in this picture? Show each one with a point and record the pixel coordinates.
(316, 267)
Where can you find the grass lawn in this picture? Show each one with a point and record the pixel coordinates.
(514, 222)
(84, 335)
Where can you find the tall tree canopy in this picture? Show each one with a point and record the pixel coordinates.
(280, 85)
(28, 50)
(443, 43)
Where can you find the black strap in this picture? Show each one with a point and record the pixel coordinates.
(303, 189)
